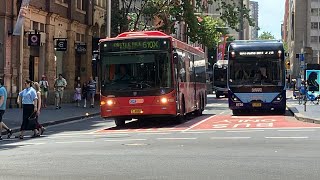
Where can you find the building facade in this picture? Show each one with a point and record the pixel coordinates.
(71, 24)
(254, 13)
(302, 33)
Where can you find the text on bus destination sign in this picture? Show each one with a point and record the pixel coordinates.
(136, 45)
(253, 53)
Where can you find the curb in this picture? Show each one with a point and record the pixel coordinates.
(301, 117)
(51, 123)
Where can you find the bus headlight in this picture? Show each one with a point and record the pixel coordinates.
(235, 99)
(278, 99)
(164, 100)
(110, 102)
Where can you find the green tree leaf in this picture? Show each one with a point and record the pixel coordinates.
(266, 36)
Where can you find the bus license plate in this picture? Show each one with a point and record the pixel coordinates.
(136, 111)
(256, 104)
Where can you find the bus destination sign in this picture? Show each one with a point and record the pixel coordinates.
(257, 53)
(135, 45)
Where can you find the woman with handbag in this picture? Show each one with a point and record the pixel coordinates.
(39, 127)
(44, 85)
(28, 98)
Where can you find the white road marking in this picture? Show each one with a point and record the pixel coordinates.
(230, 137)
(222, 112)
(198, 123)
(24, 144)
(119, 140)
(278, 137)
(240, 131)
(296, 130)
(177, 138)
(70, 142)
(249, 117)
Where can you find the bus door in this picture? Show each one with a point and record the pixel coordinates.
(176, 60)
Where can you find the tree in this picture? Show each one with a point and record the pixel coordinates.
(266, 36)
(137, 14)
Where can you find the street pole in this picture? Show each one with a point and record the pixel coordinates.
(108, 27)
(241, 33)
(21, 58)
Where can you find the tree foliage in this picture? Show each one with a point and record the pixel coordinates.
(137, 15)
(266, 36)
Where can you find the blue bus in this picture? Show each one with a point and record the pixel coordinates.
(256, 76)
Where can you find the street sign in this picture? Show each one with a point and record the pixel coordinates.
(301, 57)
(61, 45)
(303, 66)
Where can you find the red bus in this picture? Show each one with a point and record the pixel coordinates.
(149, 74)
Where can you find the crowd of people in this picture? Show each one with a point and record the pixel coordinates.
(34, 97)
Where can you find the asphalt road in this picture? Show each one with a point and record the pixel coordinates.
(214, 146)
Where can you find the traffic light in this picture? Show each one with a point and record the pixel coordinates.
(287, 64)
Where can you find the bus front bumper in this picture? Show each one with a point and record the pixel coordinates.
(139, 111)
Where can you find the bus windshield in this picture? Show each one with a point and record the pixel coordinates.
(135, 71)
(255, 72)
(220, 76)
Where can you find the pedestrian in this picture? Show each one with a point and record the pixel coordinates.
(44, 85)
(92, 85)
(59, 85)
(3, 103)
(28, 98)
(84, 93)
(39, 127)
(77, 94)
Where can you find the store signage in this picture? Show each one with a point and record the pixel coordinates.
(34, 40)
(61, 45)
(81, 48)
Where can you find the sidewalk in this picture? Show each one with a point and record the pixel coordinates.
(312, 113)
(50, 116)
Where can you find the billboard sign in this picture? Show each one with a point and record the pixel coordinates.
(313, 80)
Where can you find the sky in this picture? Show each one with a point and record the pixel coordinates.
(271, 14)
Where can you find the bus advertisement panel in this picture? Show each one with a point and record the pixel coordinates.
(148, 74)
(256, 76)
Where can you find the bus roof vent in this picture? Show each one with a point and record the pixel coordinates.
(142, 33)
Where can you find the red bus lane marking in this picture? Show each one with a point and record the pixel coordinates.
(230, 122)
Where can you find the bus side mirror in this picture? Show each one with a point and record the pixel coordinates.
(175, 58)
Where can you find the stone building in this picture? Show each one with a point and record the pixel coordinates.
(76, 22)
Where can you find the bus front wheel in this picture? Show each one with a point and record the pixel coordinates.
(281, 111)
(181, 118)
(120, 122)
(235, 112)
